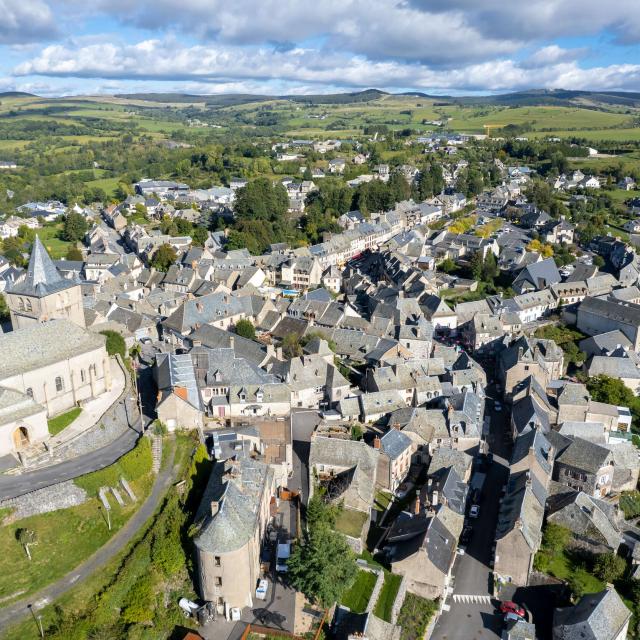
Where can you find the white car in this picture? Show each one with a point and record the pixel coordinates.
(474, 512)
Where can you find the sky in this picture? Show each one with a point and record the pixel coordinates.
(276, 47)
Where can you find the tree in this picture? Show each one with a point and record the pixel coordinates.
(199, 235)
(447, 265)
(115, 343)
(609, 567)
(73, 253)
(27, 538)
(323, 566)
(4, 309)
(598, 261)
(75, 226)
(164, 256)
(555, 537)
(246, 329)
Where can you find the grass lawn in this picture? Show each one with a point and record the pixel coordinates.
(357, 597)
(57, 424)
(567, 566)
(630, 503)
(415, 614)
(350, 522)
(56, 246)
(382, 501)
(65, 538)
(387, 596)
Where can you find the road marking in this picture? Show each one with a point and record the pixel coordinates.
(471, 599)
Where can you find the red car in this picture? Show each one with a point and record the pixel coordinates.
(511, 607)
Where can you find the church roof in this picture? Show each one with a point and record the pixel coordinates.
(43, 277)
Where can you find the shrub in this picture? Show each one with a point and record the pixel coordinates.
(245, 329)
(609, 567)
(115, 343)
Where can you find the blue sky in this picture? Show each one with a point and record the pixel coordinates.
(61, 47)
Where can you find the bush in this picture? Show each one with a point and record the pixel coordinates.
(609, 567)
(115, 343)
(245, 329)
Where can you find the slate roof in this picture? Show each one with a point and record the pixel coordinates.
(216, 338)
(539, 274)
(15, 405)
(394, 443)
(239, 495)
(42, 278)
(584, 455)
(42, 344)
(598, 616)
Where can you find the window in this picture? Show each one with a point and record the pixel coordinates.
(218, 581)
(59, 384)
(30, 392)
(82, 375)
(216, 561)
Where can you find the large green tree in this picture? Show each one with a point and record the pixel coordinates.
(163, 258)
(323, 566)
(75, 226)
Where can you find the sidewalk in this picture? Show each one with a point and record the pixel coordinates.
(93, 410)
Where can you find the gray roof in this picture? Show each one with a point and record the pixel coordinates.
(216, 338)
(394, 443)
(15, 405)
(239, 495)
(539, 274)
(584, 455)
(42, 344)
(43, 278)
(598, 616)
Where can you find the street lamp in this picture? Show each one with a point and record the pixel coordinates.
(38, 620)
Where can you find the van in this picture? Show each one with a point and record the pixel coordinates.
(284, 551)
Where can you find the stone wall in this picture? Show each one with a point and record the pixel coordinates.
(58, 496)
(376, 589)
(398, 602)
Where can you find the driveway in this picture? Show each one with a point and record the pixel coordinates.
(470, 612)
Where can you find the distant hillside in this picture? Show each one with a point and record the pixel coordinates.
(16, 94)
(340, 98)
(222, 100)
(555, 97)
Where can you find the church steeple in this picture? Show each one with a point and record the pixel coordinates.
(43, 277)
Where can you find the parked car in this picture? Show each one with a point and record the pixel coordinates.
(509, 617)
(474, 512)
(403, 490)
(284, 551)
(465, 536)
(508, 606)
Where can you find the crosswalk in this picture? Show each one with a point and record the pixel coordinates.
(471, 599)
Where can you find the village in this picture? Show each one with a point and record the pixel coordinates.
(457, 376)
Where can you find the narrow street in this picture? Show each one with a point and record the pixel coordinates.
(476, 618)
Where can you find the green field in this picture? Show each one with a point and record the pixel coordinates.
(50, 236)
(594, 134)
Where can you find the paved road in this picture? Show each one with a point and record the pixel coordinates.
(13, 613)
(472, 571)
(12, 486)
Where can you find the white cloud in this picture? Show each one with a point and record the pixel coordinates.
(24, 21)
(234, 66)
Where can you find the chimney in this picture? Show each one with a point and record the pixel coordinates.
(376, 443)
(232, 342)
(519, 353)
(434, 499)
(215, 507)
(396, 426)
(196, 343)
(279, 353)
(416, 504)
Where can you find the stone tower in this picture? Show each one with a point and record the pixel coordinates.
(44, 294)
